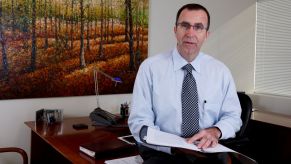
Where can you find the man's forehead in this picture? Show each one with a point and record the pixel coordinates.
(193, 15)
(193, 20)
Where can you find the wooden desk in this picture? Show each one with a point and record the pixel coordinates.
(59, 143)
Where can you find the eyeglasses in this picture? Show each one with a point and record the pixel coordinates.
(198, 27)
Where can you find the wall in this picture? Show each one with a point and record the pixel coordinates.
(231, 40)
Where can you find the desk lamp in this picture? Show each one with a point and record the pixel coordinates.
(100, 116)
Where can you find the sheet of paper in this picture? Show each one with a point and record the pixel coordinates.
(157, 137)
(127, 160)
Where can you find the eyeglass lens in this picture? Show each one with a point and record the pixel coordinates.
(197, 26)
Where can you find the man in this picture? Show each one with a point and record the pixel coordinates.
(160, 90)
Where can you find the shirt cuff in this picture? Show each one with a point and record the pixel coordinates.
(220, 133)
(142, 136)
(226, 131)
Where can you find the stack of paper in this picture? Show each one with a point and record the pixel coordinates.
(157, 137)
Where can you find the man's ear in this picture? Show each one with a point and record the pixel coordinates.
(175, 29)
(207, 35)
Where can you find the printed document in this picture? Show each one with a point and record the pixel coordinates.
(157, 137)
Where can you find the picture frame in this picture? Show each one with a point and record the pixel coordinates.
(50, 48)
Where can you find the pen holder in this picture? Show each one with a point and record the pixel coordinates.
(124, 110)
(49, 116)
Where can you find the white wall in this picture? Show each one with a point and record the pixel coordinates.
(232, 41)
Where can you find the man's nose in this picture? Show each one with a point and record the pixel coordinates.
(191, 31)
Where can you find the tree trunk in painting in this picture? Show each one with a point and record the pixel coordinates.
(95, 27)
(2, 41)
(131, 53)
(33, 37)
(45, 25)
(88, 27)
(67, 25)
(51, 15)
(59, 18)
(142, 25)
(25, 26)
(105, 22)
(13, 19)
(112, 22)
(126, 38)
(82, 51)
(108, 23)
(72, 26)
(101, 32)
(39, 14)
(56, 24)
(137, 31)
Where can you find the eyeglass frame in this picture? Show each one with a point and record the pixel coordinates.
(187, 26)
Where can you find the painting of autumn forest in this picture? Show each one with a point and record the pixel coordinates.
(51, 48)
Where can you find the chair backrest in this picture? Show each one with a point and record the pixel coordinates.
(247, 106)
(16, 150)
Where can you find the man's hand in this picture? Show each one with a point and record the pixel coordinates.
(206, 138)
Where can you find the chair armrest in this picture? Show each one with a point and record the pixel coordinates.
(16, 150)
(235, 143)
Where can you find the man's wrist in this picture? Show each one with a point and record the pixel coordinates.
(218, 134)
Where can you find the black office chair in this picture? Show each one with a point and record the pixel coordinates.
(16, 150)
(240, 142)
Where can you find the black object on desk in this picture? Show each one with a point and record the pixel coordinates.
(102, 117)
(80, 126)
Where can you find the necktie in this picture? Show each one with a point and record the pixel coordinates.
(190, 109)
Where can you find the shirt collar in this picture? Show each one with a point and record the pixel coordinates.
(179, 61)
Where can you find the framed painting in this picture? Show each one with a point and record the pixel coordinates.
(56, 48)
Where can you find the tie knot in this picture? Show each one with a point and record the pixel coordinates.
(188, 68)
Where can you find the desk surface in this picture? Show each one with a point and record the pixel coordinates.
(66, 140)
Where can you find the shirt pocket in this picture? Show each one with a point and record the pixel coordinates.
(211, 113)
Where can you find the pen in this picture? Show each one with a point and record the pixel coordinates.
(196, 143)
(204, 102)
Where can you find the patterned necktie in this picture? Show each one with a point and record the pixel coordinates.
(190, 109)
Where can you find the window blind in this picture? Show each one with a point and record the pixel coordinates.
(273, 47)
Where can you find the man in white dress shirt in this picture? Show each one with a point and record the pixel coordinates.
(156, 100)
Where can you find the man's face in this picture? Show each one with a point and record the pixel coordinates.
(189, 40)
